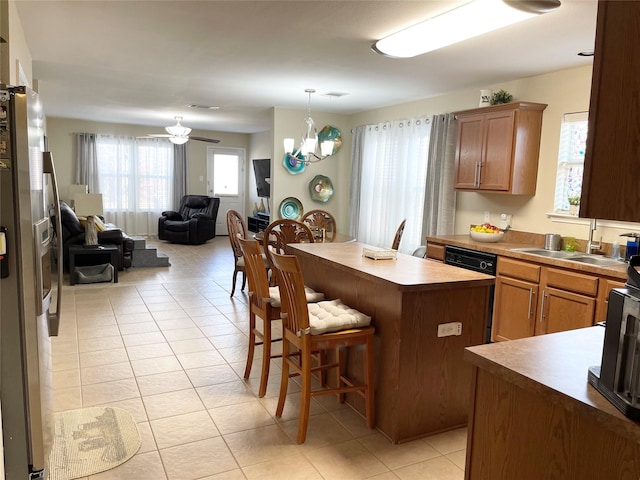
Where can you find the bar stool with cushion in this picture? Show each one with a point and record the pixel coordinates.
(308, 328)
(321, 223)
(396, 240)
(264, 302)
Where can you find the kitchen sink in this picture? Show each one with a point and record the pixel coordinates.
(546, 253)
(597, 260)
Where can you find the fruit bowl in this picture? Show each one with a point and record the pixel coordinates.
(486, 237)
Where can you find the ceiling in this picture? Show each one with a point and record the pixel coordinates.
(143, 62)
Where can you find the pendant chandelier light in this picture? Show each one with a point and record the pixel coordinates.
(307, 152)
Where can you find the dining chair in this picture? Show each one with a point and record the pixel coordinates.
(322, 224)
(264, 303)
(322, 326)
(282, 232)
(237, 230)
(396, 240)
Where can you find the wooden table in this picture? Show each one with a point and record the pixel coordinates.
(339, 238)
(534, 416)
(422, 382)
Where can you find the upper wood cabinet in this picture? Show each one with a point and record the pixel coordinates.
(498, 148)
(612, 167)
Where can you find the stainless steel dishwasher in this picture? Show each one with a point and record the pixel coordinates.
(478, 262)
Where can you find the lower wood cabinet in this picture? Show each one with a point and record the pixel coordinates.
(561, 310)
(515, 301)
(532, 299)
(514, 308)
(567, 300)
(605, 286)
(435, 252)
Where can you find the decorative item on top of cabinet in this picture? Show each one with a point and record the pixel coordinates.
(611, 169)
(498, 147)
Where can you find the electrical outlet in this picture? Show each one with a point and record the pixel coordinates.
(449, 329)
(505, 221)
(487, 217)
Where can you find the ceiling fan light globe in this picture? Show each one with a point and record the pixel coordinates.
(178, 130)
(178, 140)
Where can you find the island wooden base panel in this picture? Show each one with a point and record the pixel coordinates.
(423, 385)
(522, 436)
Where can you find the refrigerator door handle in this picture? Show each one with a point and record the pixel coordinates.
(54, 318)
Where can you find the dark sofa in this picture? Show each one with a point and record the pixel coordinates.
(193, 224)
(73, 234)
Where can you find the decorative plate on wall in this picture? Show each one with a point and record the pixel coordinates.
(331, 133)
(321, 188)
(292, 164)
(291, 208)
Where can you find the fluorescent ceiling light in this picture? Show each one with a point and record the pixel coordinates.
(467, 21)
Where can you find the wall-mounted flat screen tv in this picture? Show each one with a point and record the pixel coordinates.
(262, 171)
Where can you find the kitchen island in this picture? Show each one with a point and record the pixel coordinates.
(534, 416)
(422, 382)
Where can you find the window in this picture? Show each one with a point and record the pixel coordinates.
(136, 181)
(393, 182)
(573, 140)
(226, 179)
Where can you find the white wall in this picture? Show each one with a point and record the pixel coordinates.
(564, 91)
(18, 49)
(62, 143)
(289, 124)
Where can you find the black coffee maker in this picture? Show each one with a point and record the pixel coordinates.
(618, 377)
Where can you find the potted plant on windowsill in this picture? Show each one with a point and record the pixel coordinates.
(574, 204)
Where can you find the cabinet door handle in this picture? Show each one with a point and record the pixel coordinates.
(476, 176)
(479, 173)
(542, 306)
(530, 301)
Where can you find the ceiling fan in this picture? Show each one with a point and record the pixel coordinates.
(179, 134)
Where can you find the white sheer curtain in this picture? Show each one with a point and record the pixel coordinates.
(136, 181)
(393, 170)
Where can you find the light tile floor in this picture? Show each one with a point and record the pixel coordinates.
(169, 345)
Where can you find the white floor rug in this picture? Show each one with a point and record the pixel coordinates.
(91, 440)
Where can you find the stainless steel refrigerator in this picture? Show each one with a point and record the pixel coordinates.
(28, 191)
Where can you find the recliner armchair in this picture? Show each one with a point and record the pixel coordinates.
(193, 224)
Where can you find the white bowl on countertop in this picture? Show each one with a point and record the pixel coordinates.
(486, 237)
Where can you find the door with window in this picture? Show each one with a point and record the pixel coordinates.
(226, 180)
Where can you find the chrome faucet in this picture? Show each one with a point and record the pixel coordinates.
(591, 245)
